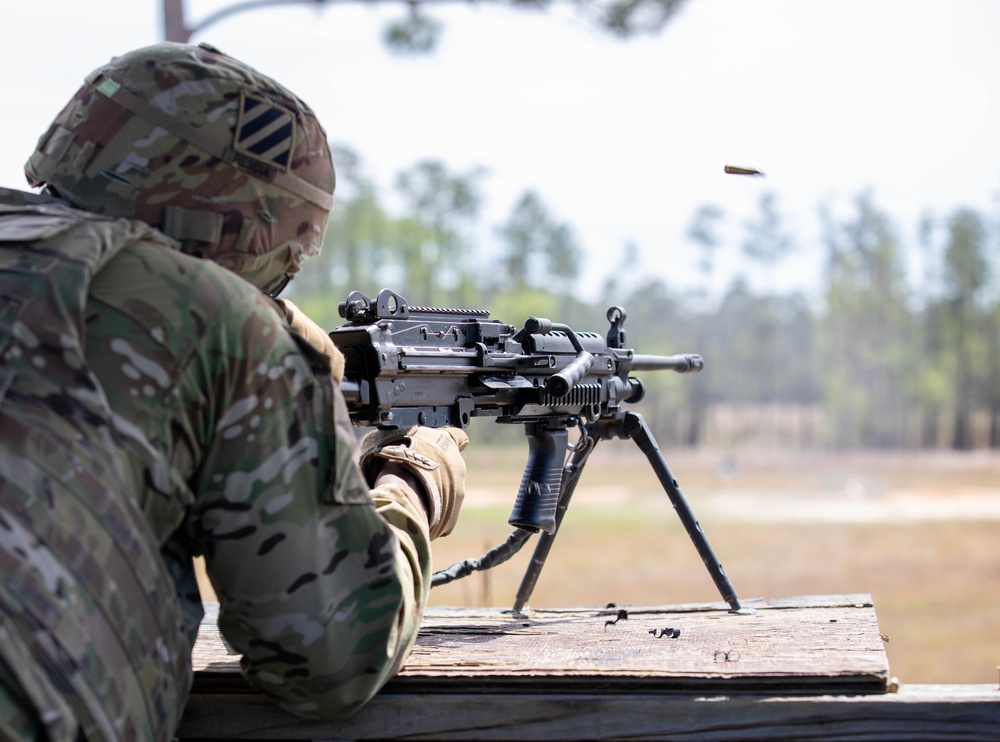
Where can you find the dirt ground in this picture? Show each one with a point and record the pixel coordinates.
(918, 532)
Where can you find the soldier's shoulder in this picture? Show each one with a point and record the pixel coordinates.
(10, 197)
(31, 217)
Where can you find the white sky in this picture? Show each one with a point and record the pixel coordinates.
(623, 140)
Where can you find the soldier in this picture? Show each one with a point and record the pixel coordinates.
(157, 403)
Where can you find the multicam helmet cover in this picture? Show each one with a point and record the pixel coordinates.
(189, 140)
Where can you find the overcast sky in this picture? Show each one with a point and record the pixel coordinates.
(622, 140)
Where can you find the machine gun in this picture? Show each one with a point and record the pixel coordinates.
(407, 365)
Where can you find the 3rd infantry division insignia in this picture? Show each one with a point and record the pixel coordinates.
(264, 132)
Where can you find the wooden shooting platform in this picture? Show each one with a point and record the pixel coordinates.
(791, 668)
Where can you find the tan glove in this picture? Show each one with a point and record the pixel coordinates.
(433, 456)
(314, 335)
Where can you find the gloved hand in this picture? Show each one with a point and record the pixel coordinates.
(433, 456)
(314, 335)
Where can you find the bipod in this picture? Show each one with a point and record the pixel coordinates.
(625, 425)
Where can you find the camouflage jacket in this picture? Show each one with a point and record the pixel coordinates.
(168, 412)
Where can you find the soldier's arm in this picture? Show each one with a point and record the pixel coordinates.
(321, 582)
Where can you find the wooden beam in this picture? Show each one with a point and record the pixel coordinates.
(916, 712)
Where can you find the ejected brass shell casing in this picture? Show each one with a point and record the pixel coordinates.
(735, 170)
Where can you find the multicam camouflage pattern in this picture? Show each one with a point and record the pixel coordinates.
(190, 421)
(90, 626)
(191, 141)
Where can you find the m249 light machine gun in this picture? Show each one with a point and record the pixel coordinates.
(407, 365)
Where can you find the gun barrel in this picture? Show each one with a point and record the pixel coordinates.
(682, 363)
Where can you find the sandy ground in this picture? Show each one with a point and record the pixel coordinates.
(772, 487)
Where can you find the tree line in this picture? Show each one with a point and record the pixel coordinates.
(883, 356)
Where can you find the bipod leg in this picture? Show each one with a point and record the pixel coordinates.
(635, 427)
(570, 476)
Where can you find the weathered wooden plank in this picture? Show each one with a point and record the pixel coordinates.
(914, 713)
(812, 644)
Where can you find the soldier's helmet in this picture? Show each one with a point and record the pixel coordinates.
(220, 157)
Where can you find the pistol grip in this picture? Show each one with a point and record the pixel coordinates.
(537, 497)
